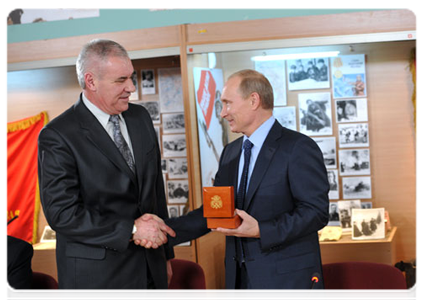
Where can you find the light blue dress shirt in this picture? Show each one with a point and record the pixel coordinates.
(257, 138)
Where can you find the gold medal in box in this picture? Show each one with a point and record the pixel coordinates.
(219, 207)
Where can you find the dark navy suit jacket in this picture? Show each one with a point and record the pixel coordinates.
(288, 196)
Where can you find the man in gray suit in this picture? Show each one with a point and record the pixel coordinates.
(101, 183)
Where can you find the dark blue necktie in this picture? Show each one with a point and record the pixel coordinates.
(121, 142)
(242, 189)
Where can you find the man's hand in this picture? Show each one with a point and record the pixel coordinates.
(248, 228)
(151, 231)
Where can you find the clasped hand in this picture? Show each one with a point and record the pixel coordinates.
(151, 231)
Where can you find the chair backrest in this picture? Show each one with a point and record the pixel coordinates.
(187, 275)
(362, 275)
(43, 281)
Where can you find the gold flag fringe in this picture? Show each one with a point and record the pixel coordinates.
(26, 123)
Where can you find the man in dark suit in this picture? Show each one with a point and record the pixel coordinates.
(282, 197)
(101, 183)
(19, 256)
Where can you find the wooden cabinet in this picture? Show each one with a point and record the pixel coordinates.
(346, 249)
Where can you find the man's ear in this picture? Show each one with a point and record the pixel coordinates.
(255, 100)
(90, 82)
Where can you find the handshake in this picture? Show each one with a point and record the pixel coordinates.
(151, 231)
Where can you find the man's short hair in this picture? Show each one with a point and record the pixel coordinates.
(100, 49)
(253, 81)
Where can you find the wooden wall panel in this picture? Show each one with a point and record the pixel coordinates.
(301, 27)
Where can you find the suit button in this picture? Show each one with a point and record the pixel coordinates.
(233, 257)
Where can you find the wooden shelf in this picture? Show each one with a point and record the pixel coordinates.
(347, 249)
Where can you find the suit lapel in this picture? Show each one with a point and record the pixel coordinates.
(135, 134)
(264, 159)
(96, 134)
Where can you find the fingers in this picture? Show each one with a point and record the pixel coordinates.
(168, 230)
(151, 231)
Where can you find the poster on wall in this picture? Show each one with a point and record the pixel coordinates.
(353, 135)
(170, 90)
(148, 83)
(357, 187)
(307, 74)
(212, 131)
(315, 113)
(333, 184)
(351, 110)
(286, 116)
(345, 213)
(274, 71)
(328, 147)
(354, 162)
(349, 76)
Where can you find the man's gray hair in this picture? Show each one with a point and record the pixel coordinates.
(98, 49)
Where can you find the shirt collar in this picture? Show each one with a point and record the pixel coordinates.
(101, 116)
(260, 134)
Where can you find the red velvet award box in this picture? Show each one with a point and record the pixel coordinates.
(219, 207)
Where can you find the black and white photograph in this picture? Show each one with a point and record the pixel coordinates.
(173, 211)
(173, 123)
(148, 83)
(351, 110)
(286, 116)
(334, 219)
(307, 74)
(274, 71)
(354, 162)
(49, 235)
(333, 184)
(345, 213)
(368, 224)
(170, 90)
(153, 108)
(174, 145)
(315, 114)
(177, 191)
(353, 135)
(366, 205)
(328, 147)
(164, 166)
(135, 95)
(183, 209)
(177, 168)
(357, 187)
(157, 130)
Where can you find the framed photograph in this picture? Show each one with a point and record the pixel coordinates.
(308, 74)
(157, 130)
(177, 191)
(274, 70)
(148, 83)
(173, 123)
(366, 205)
(349, 76)
(153, 108)
(286, 116)
(49, 235)
(135, 95)
(328, 147)
(315, 114)
(354, 162)
(351, 110)
(345, 213)
(368, 224)
(173, 211)
(177, 168)
(334, 214)
(164, 166)
(333, 184)
(357, 187)
(183, 209)
(353, 135)
(174, 145)
(170, 90)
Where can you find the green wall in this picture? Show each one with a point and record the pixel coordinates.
(112, 20)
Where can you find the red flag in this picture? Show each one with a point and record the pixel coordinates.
(23, 199)
(205, 95)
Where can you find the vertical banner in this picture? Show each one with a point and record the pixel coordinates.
(23, 200)
(212, 133)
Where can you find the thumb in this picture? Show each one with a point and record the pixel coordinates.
(241, 213)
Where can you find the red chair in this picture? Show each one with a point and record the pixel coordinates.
(43, 281)
(362, 275)
(187, 275)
